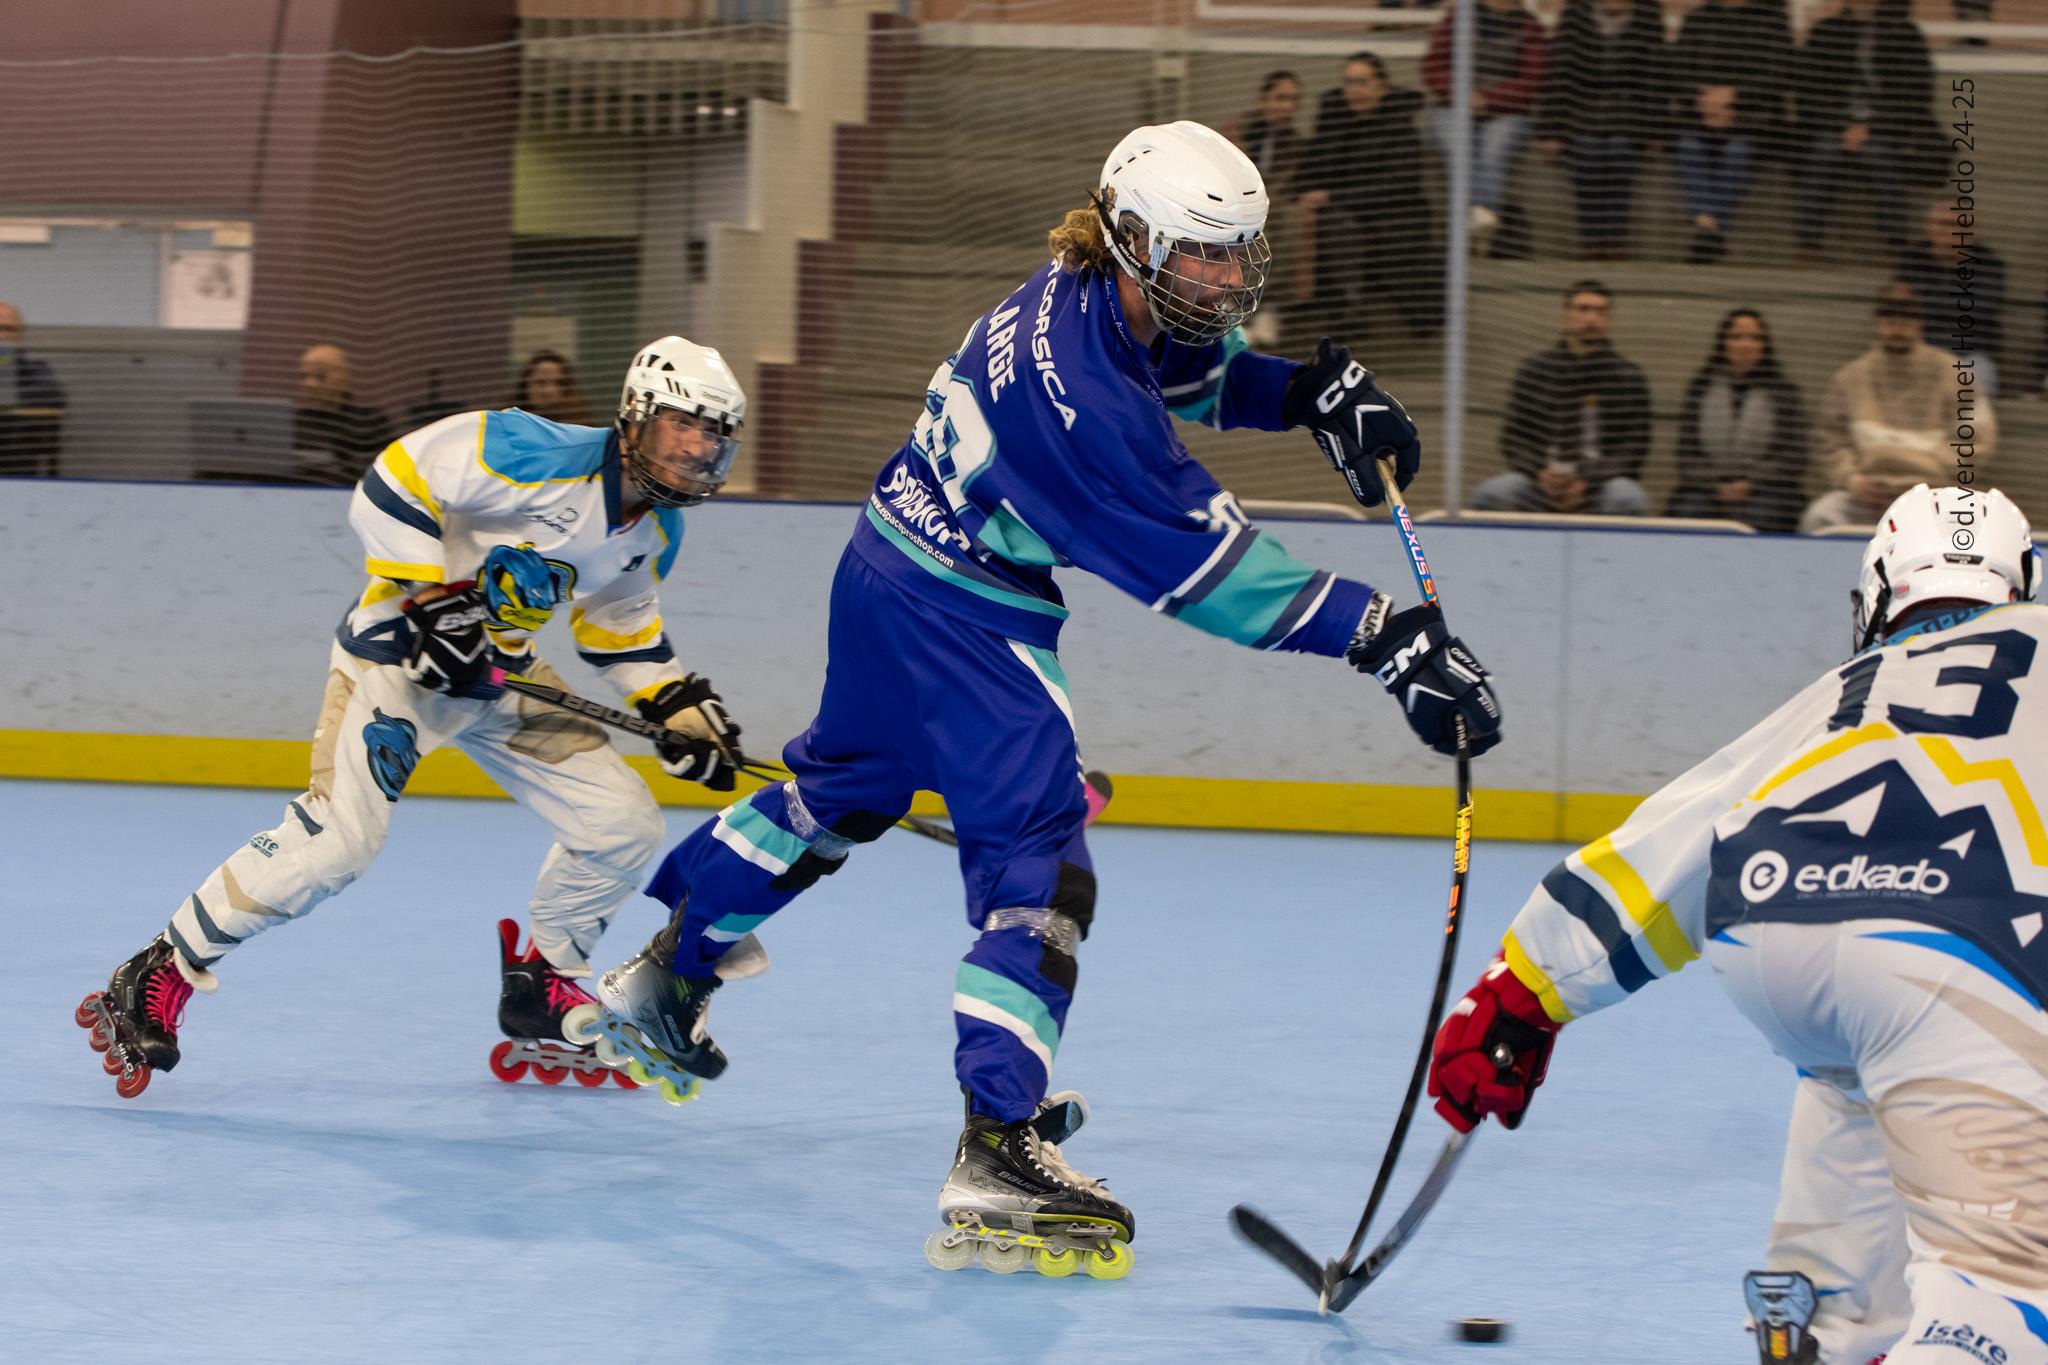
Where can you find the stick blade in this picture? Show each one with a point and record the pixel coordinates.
(1260, 1231)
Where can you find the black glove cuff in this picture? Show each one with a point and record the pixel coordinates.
(675, 698)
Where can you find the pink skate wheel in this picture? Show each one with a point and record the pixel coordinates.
(502, 1069)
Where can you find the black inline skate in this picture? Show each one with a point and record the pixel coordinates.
(134, 1021)
(533, 1002)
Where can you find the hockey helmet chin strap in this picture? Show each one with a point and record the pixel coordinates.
(1871, 623)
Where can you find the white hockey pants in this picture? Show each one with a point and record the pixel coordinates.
(1915, 1186)
(375, 725)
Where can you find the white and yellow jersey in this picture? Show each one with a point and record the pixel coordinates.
(1901, 785)
(439, 499)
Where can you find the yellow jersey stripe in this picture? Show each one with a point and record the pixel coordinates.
(1532, 976)
(416, 573)
(1841, 744)
(380, 590)
(640, 694)
(1653, 916)
(399, 461)
(592, 637)
(1959, 770)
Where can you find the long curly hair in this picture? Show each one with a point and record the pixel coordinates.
(1080, 241)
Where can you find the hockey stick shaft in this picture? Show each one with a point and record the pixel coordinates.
(1461, 860)
(651, 730)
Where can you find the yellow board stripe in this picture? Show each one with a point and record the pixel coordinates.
(417, 573)
(399, 461)
(1161, 801)
(1653, 916)
(1959, 770)
(595, 638)
(1534, 977)
(1841, 744)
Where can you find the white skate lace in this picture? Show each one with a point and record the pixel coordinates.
(1046, 1156)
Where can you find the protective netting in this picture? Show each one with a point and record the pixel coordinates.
(833, 197)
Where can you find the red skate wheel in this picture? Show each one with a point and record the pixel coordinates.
(625, 1082)
(85, 1016)
(99, 1040)
(590, 1078)
(548, 1075)
(112, 1062)
(132, 1084)
(503, 1070)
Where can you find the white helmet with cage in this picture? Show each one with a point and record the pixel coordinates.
(678, 374)
(1944, 545)
(1182, 206)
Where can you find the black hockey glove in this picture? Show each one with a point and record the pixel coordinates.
(450, 652)
(707, 740)
(1354, 421)
(1433, 676)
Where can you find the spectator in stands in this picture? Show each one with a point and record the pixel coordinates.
(1742, 433)
(1864, 82)
(548, 388)
(1578, 422)
(1507, 75)
(1600, 110)
(1728, 73)
(1896, 416)
(1267, 135)
(1362, 199)
(32, 405)
(1966, 316)
(336, 437)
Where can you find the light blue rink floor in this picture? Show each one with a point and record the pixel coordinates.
(333, 1174)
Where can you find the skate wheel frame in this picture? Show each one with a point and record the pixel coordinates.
(616, 1043)
(1082, 1245)
(103, 1036)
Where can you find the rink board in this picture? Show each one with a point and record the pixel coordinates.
(180, 633)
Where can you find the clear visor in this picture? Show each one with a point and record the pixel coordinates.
(679, 457)
(1200, 290)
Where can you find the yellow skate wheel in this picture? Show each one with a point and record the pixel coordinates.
(638, 1072)
(1004, 1260)
(1057, 1264)
(1113, 1262)
(675, 1094)
(580, 1025)
(943, 1257)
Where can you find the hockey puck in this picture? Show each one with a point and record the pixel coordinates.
(1481, 1329)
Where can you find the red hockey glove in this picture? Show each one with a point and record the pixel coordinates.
(1491, 1053)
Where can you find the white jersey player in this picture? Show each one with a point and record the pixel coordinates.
(476, 529)
(1867, 872)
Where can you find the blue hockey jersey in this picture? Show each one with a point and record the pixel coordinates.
(1046, 441)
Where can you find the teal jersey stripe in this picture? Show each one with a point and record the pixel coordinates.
(764, 834)
(1244, 606)
(1012, 999)
(1005, 533)
(670, 522)
(523, 449)
(938, 570)
(1049, 664)
(737, 925)
(1200, 406)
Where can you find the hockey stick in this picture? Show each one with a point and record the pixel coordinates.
(1336, 1278)
(647, 729)
(1100, 788)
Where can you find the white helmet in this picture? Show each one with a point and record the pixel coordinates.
(1943, 545)
(1176, 195)
(692, 379)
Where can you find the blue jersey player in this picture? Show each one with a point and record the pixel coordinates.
(1046, 441)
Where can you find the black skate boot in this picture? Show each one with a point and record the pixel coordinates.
(533, 1003)
(1012, 1201)
(135, 1020)
(652, 1021)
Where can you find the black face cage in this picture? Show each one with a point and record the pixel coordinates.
(640, 410)
(1194, 294)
